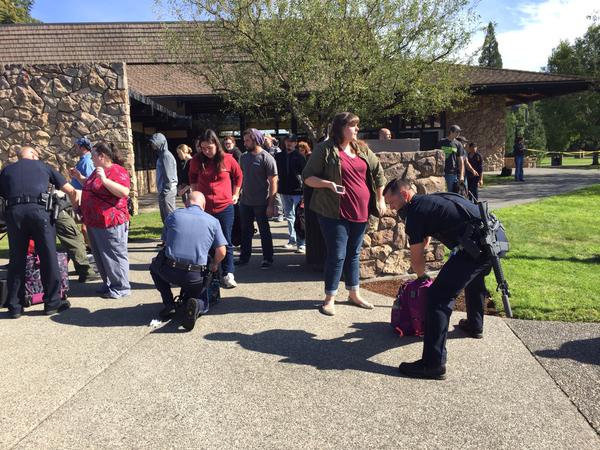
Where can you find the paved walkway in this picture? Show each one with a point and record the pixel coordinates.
(570, 352)
(539, 183)
(265, 369)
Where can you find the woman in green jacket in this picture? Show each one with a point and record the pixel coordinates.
(348, 183)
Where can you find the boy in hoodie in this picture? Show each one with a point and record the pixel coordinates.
(166, 175)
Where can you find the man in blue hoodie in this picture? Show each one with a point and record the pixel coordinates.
(166, 175)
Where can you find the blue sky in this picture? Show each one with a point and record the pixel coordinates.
(527, 29)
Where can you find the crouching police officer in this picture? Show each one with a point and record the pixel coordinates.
(189, 235)
(441, 216)
(24, 186)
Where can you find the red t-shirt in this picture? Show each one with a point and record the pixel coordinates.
(217, 186)
(354, 204)
(99, 207)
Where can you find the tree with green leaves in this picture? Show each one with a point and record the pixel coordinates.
(573, 121)
(16, 11)
(525, 120)
(490, 54)
(313, 58)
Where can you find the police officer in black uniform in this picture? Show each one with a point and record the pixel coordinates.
(22, 185)
(438, 216)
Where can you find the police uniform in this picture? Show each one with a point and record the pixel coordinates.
(438, 216)
(189, 236)
(22, 185)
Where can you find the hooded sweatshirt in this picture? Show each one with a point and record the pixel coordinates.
(166, 166)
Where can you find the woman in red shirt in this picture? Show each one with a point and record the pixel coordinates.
(218, 176)
(105, 214)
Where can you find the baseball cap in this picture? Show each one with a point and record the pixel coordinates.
(84, 142)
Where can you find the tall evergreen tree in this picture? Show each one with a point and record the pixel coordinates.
(490, 54)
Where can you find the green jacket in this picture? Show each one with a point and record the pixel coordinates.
(325, 164)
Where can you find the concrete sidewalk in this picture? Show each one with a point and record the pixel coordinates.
(265, 369)
(539, 183)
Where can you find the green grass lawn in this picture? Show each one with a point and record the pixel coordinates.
(145, 226)
(491, 180)
(553, 267)
(569, 161)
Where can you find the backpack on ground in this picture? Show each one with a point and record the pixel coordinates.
(34, 290)
(408, 311)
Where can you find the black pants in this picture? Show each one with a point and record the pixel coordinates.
(25, 222)
(191, 283)
(473, 185)
(460, 271)
(248, 215)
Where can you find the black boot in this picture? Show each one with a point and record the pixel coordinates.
(464, 325)
(62, 306)
(418, 369)
(190, 314)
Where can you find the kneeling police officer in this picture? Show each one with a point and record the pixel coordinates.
(442, 216)
(189, 236)
(24, 187)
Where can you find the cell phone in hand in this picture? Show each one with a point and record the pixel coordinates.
(340, 189)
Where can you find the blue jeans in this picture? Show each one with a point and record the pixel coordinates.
(451, 180)
(343, 240)
(225, 218)
(247, 216)
(289, 211)
(519, 161)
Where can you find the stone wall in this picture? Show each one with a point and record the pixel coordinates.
(483, 120)
(51, 105)
(385, 248)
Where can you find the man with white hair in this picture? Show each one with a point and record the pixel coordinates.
(189, 235)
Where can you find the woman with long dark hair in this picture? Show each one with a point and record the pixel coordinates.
(218, 176)
(348, 183)
(106, 216)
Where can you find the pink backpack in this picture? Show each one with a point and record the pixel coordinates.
(408, 311)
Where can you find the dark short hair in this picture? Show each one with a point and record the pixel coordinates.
(396, 185)
(472, 144)
(455, 129)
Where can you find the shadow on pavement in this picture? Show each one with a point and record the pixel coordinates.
(130, 316)
(586, 351)
(351, 351)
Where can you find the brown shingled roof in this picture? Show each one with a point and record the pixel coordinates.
(134, 43)
(165, 80)
(150, 65)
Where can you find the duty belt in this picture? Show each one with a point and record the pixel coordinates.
(184, 266)
(25, 199)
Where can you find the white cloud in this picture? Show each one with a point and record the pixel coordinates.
(541, 27)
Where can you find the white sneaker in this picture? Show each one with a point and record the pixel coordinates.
(301, 250)
(289, 246)
(228, 282)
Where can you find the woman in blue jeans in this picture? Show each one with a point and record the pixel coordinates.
(218, 176)
(348, 183)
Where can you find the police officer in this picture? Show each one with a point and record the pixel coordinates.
(22, 185)
(439, 216)
(189, 235)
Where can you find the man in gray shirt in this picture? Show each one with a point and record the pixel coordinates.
(259, 189)
(166, 175)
